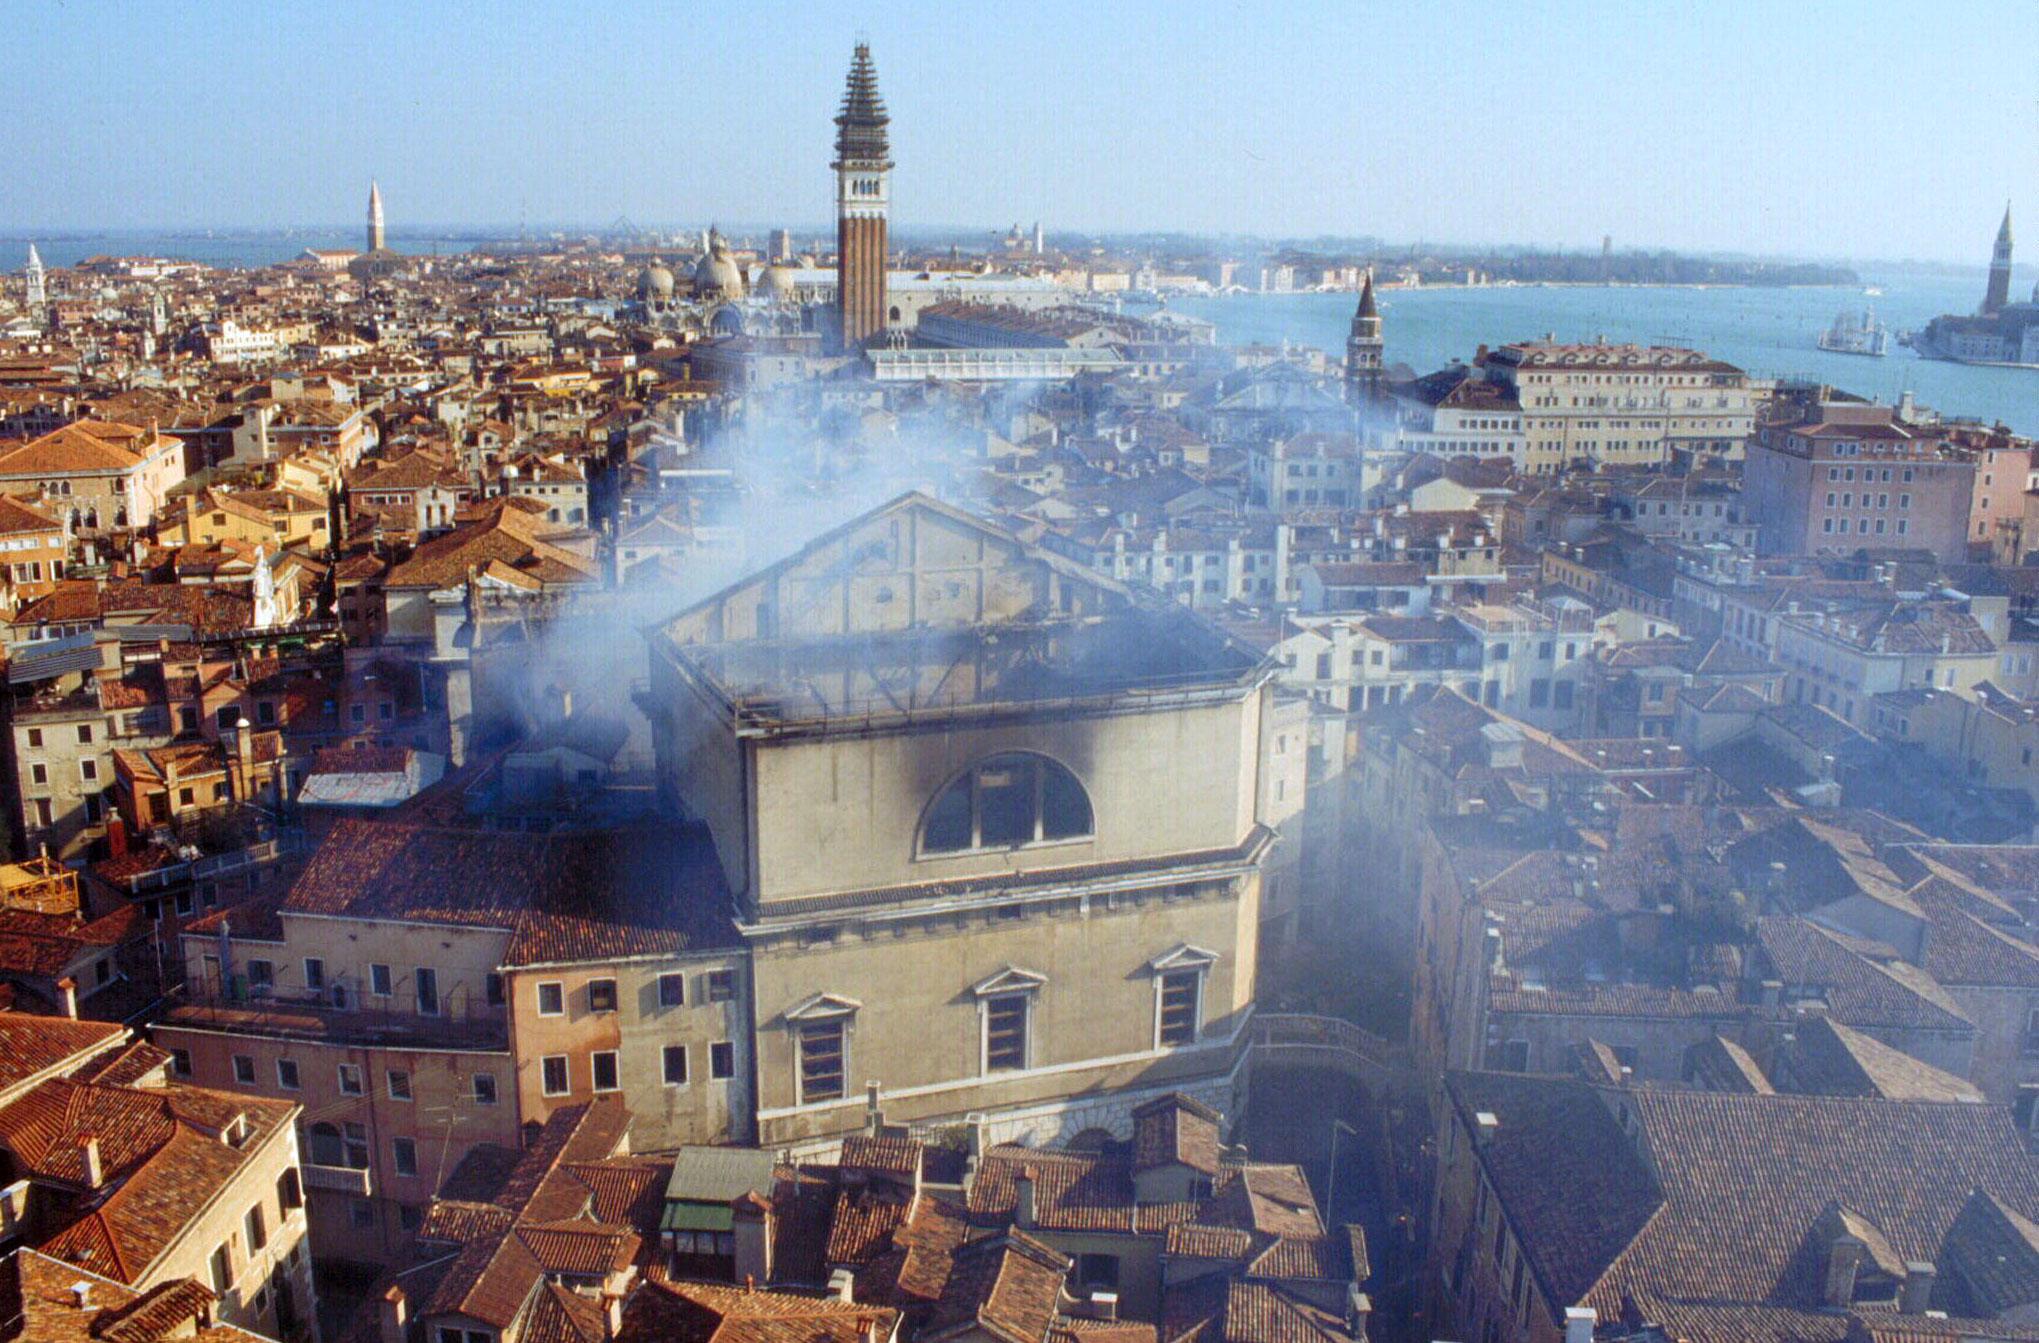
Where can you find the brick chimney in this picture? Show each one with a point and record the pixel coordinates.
(1023, 1202)
(395, 1315)
(95, 1174)
(67, 997)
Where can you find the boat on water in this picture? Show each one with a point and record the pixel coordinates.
(1856, 333)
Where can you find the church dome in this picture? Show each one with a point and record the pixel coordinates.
(655, 284)
(716, 275)
(778, 285)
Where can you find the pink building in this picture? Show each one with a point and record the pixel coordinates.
(1849, 476)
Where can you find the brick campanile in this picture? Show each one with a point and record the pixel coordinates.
(863, 193)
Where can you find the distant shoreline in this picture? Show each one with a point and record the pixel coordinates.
(1515, 284)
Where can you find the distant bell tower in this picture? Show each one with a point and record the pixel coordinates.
(374, 217)
(1364, 349)
(1999, 292)
(863, 196)
(38, 282)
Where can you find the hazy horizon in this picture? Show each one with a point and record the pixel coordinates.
(1742, 130)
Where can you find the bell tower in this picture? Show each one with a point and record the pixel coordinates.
(1999, 292)
(375, 233)
(863, 198)
(1364, 349)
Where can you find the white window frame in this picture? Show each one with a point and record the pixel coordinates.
(545, 1087)
(1184, 959)
(1009, 983)
(556, 985)
(817, 1010)
(615, 1058)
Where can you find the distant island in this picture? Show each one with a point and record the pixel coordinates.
(1629, 267)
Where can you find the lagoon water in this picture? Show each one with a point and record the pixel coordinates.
(1767, 331)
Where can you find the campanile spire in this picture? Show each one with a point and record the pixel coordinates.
(863, 197)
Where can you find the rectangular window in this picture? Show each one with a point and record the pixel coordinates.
(314, 974)
(180, 1062)
(1181, 991)
(722, 1060)
(552, 1075)
(672, 990)
(256, 1228)
(350, 1079)
(403, 1156)
(399, 1081)
(221, 1267)
(289, 1193)
(1005, 1033)
(428, 992)
(244, 1070)
(492, 989)
(551, 999)
(84, 734)
(821, 1061)
(261, 975)
(286, 1074)
(484, 1088)
(674, 1058)
(602, 1063)
(601, 995)
(379, 982)
(721, 986)
(39, 775)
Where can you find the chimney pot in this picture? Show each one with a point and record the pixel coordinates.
(1579, 1324)
(81, 1294)
(842, 1285)
(1917, 1291)
(67, 993)
(95, 1174)
(1023, 1203)
(1485, 1125)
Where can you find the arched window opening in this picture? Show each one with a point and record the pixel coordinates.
(1004, 802)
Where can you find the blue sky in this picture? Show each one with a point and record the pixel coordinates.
(1870, 129)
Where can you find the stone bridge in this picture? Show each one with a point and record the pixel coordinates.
(1295, 1039)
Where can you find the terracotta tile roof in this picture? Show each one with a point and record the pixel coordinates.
(1009, 1285)
(161, 1156)
(1826, 1058)
(37, 1302)
(1176, 1130)
(1737, 1183)
(566, 896)
(537, 1224)
(1992, 1253)
(561, 1315)
(1864, 984)
(914, 1269)
(503, 533)
(885, 1156)
(87, 445)
(33, 1044)
(695, 1312)
(863, 1222)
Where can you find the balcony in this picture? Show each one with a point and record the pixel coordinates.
(337, 1179)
